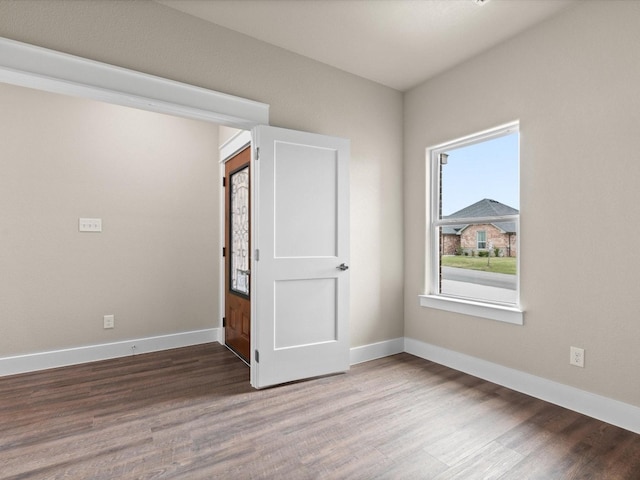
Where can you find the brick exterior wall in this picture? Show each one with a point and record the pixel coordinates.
(450, 244)
(513, 251)
(468, 240)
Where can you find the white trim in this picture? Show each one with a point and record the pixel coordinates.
(36, 67)
(234, 145)
(478, 137)
(500, 313)
(467, 221)
(221, 260)
(92, 353)
(602, 408)
(373, 351)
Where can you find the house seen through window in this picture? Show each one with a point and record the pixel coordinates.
(475, 217)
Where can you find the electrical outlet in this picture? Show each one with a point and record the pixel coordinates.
(576, 356)
(109, 321)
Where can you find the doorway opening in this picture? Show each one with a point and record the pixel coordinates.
(237, 254)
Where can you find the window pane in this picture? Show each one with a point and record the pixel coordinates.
(468, 272)
(485, 170)
(481, 235)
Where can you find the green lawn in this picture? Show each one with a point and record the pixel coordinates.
(496, 264)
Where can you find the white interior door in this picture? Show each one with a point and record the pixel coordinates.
(300, 306)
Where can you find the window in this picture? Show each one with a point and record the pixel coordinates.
(473, 262)
(481, 240)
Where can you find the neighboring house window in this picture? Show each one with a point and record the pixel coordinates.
(474, 225)
(481, 239)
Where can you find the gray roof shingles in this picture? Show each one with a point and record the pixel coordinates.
(483, 208)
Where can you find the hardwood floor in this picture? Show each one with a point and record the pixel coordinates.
(190, 413)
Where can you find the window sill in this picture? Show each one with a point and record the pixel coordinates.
(499, 313)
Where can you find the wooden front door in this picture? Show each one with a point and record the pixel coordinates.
(237, 254)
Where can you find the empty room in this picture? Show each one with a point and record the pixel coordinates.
(319, 239)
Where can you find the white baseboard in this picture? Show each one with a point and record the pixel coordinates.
(376, 350)
(91, 353)
(606, 409)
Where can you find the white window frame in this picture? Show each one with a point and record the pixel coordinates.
(483, 241)
(509, 313)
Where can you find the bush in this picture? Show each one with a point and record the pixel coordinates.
(483, 253)
(496, 251)
(459, 251)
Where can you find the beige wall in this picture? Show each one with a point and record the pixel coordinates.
(226, 133)
(303, 95)
(153, 179)
(573, 84)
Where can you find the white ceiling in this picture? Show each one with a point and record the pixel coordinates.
(398, 43)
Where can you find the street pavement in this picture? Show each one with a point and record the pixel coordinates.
(473, 284)
(489, 279)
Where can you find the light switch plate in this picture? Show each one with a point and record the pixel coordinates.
(90, 224)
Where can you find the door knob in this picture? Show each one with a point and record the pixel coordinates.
(343, 266)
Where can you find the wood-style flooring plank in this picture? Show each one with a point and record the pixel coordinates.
(487, 463)
(190, 414)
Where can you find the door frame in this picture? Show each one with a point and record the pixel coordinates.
(228, 150)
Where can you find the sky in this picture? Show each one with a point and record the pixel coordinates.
(485, 170)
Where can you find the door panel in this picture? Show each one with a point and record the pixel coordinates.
(237, 254)
(305, 201)
(305, 323)
(301, 231)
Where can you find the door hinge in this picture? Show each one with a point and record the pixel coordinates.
(224, 251)
(257, 153)
(224, 181)
(224, 321)
(257, 255)
(257, 357)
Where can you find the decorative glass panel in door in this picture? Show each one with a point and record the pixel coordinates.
(239, 233)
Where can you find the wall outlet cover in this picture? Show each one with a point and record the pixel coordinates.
(576, 356)
(109, 321)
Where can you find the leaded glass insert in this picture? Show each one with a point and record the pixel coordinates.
(239, 222)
